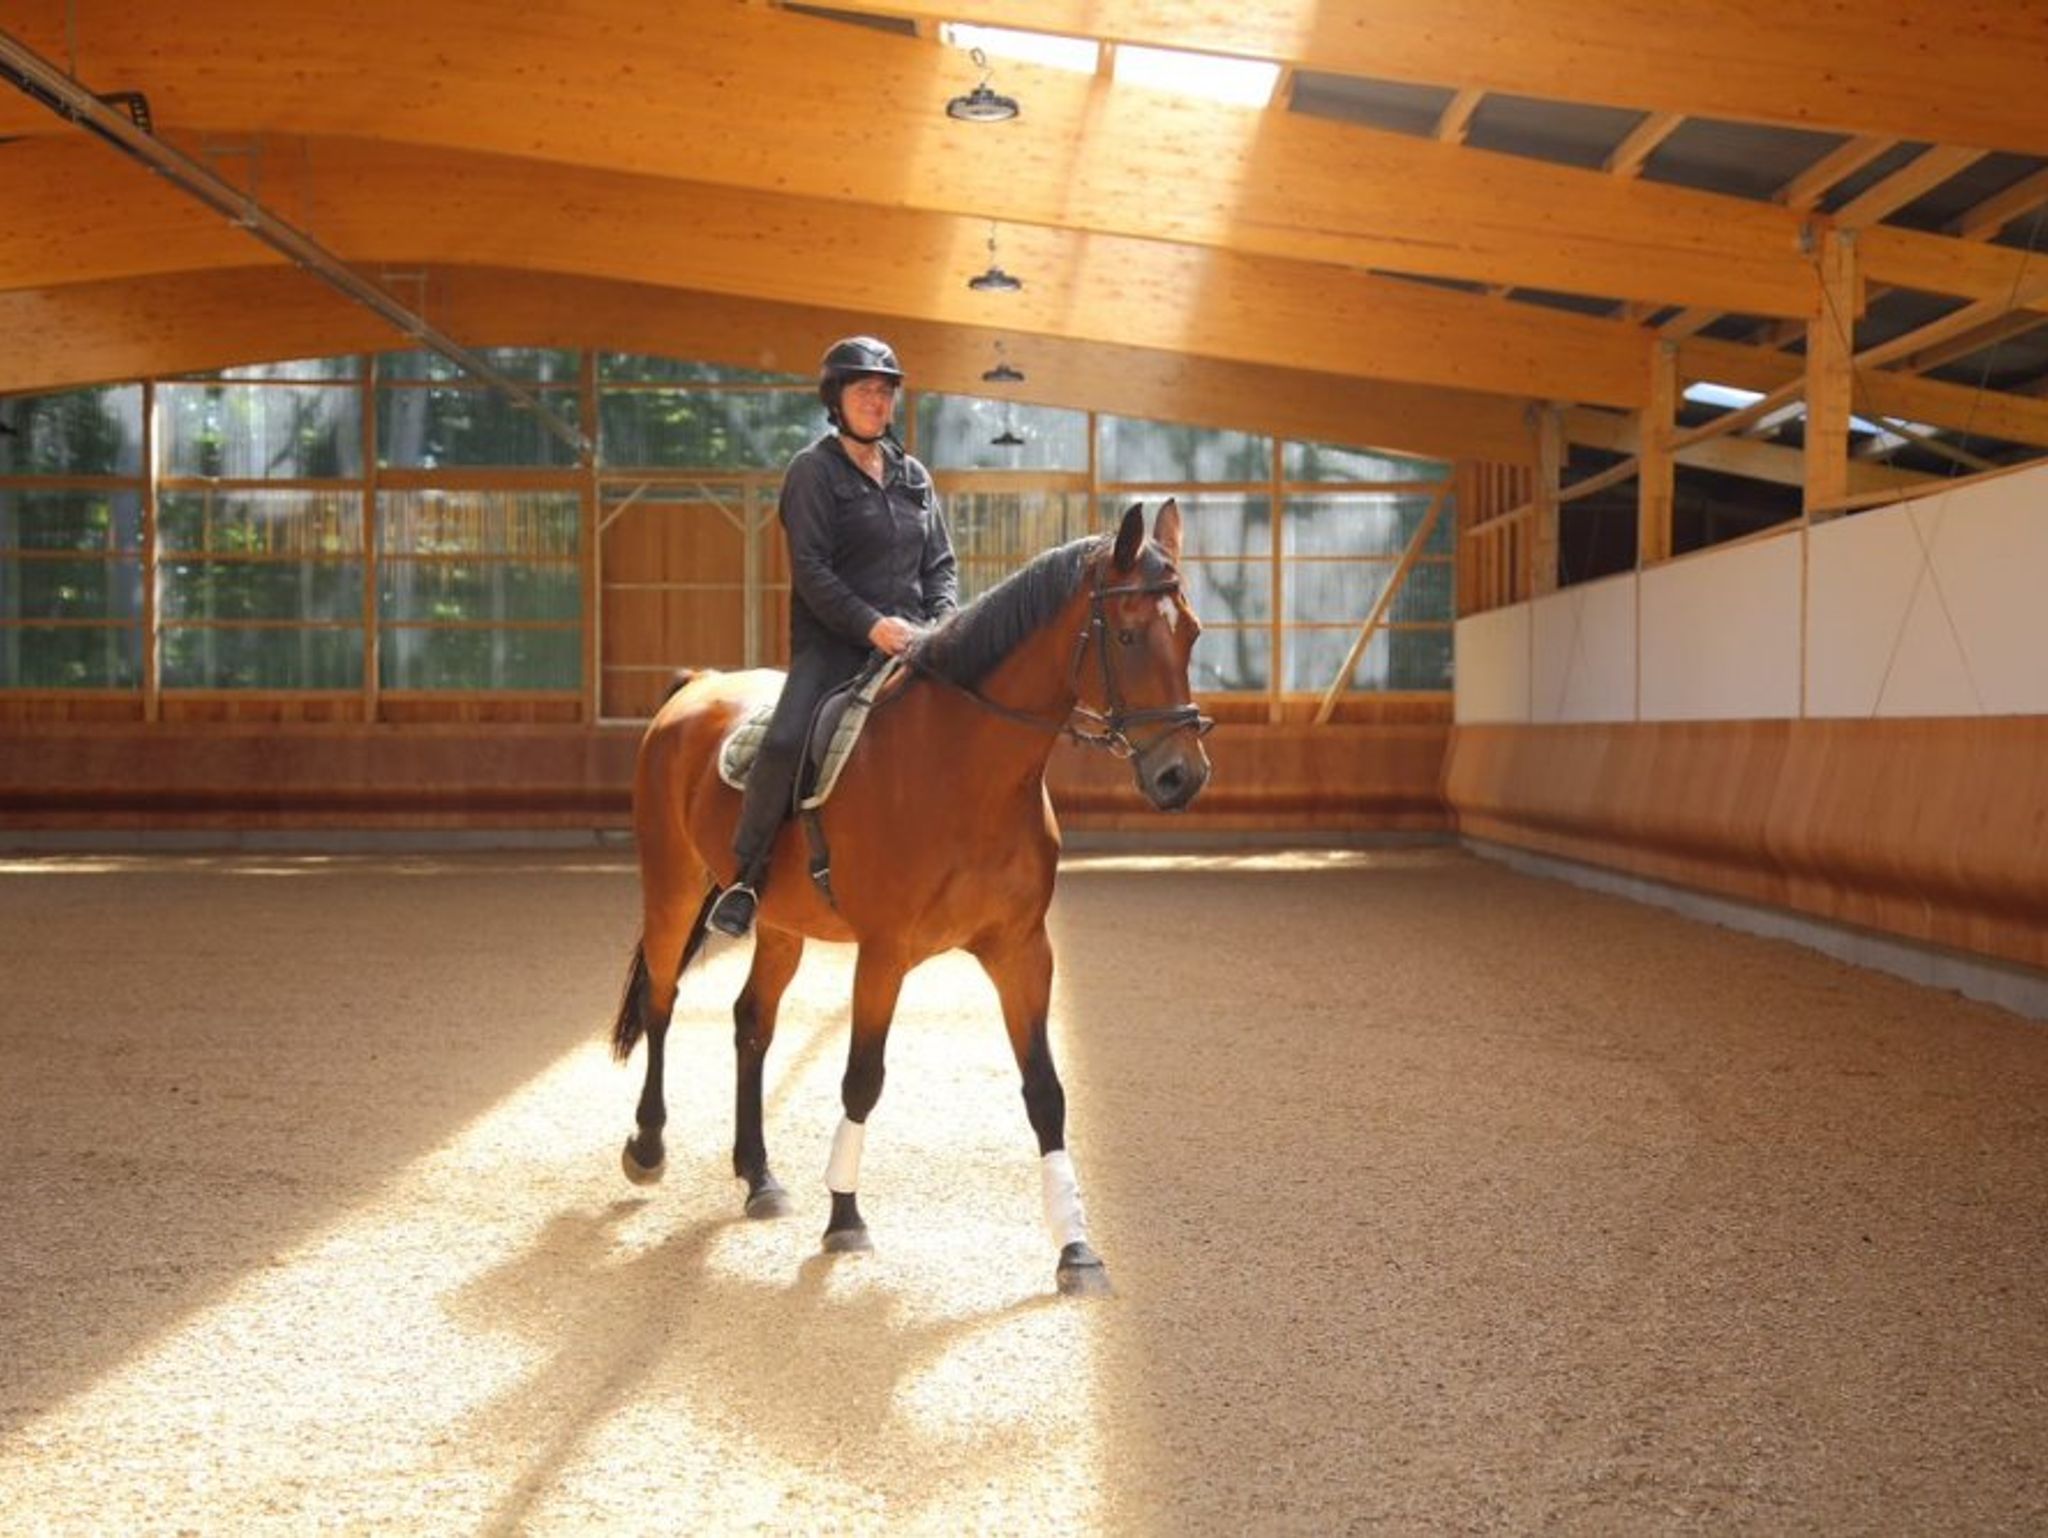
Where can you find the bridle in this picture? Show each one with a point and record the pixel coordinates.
(1108, 729)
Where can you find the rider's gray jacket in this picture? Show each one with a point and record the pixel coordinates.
(858, 551)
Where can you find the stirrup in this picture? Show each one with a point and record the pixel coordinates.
(733, 913)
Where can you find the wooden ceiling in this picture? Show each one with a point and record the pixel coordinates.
(743, 181)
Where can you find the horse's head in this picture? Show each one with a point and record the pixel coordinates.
(1143, 632)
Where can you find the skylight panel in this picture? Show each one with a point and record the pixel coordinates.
(1072, 53)
(1237, 82)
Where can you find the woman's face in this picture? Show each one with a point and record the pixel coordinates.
(867, 404)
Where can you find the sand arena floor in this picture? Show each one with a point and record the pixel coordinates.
(1438, 1199)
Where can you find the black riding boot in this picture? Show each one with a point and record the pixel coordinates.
(733, 913)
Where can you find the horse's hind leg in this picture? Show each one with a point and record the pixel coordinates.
(666, 945)
(776, 954)
(877, 981)
(1021, 969)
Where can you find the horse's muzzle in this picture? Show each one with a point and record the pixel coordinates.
(1173, 773)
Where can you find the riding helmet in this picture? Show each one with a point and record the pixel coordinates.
(851, 359)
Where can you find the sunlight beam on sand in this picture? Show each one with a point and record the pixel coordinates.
(507, 1337)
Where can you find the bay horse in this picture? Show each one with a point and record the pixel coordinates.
(942, 837)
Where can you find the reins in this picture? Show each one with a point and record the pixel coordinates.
(1109, 730)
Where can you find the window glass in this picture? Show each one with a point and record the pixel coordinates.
(86, 519)
(261, 431)
(424, 427)
(1327, 462)
(1398, 660)
(706, 429)
(1174, 453)
(1232, 658)
(292, 523)
(530, 365)
(78, 432)
(82, 588)
(479, 590)
(480, 659)
(959, 432)
(637, 367)
(343, 366)
(70, 656)
(286, 591)
(280, 657)
(1359, 524)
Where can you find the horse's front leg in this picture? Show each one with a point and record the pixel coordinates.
(877, 981)
(776, 954)
(1021, 969)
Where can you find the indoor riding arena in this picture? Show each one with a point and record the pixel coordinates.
(1573, 1059)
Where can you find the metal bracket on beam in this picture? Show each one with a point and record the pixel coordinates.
(45, 83)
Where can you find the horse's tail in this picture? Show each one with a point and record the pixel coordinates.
(635, 1003)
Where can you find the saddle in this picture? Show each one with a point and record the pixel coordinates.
(828, 744)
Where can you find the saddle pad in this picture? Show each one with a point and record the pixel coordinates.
(742, 744)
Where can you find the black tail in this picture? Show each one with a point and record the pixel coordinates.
(633, 1003)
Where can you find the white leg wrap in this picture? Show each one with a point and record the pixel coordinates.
(842, 1170)
(1065, 1219)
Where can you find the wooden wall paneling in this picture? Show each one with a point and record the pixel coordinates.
(1928, 830)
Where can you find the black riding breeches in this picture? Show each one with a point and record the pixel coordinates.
(771, 783)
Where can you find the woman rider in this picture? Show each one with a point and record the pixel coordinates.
(870, 567)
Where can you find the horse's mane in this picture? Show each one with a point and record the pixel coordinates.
(972, 641)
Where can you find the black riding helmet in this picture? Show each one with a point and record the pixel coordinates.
(851, 359)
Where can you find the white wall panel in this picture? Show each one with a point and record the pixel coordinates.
(1583, 652)
(1492, 667)
(1934, 607)
(1720, 634)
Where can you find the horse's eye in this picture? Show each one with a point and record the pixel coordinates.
(1126, 637)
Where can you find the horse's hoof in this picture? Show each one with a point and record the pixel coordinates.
(848, 1241)
(768, 1200)
(641, 1174)
(1082, 1274)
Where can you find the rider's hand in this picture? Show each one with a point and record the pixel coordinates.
(893, 635)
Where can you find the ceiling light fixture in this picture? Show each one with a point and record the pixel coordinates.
(982, 104)
(1002, 373)
(995, 280)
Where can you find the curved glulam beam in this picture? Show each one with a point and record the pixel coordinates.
(749, 97)
(87, 333)
(100, 218)
(1964, 73)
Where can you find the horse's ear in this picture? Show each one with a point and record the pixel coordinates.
(1129, 538)
(1166, 530)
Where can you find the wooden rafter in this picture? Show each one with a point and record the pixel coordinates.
(1641, 141)
(1984, 221)
(1616, 433)
(1456, 119)
(1977, 84)
(1242, 179)
(2004, 328)
(1921, 175)
(88, 332)
(379, 204)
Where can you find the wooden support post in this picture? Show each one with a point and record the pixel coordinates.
(1549, 425)
(1654, 484)
(1830, 353)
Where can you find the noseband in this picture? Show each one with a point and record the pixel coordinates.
(1106, 729)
